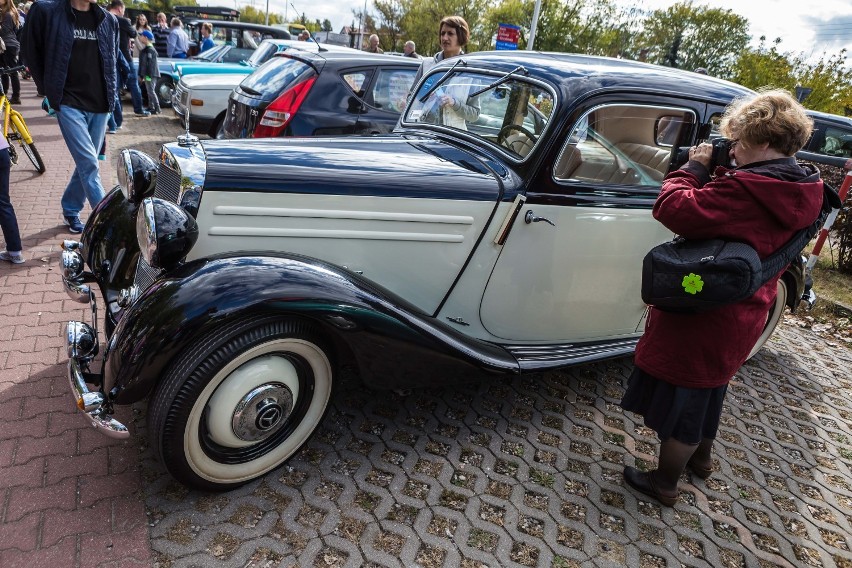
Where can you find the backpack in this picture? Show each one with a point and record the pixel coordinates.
(690, 276)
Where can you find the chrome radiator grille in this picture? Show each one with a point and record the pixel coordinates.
(182, 96)
(168, 184)
(167, 189)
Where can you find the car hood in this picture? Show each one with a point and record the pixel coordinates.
(388, 166)
(210, 82)
(209, 68)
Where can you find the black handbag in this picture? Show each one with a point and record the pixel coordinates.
(690, 276)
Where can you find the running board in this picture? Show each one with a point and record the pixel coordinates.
(546, 357)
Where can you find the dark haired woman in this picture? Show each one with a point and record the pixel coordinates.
(10, 21)
(456, 108)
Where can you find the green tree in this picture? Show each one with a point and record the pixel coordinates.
(389, 18)
(688, 37)
(831, 80)
(421, 17)
(251, 14)
(829, 77)
(326, 25)
(763, 67)
(165, 6)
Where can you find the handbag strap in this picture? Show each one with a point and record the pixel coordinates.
(774, 263)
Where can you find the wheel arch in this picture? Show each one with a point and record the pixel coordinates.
(364, 324)
(216, 124)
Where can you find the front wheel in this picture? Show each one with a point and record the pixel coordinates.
(241, 404)
(164, 89)
(774, 318)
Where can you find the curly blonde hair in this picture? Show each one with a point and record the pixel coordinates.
(772, 116)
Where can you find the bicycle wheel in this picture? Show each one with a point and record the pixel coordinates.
(29, 149)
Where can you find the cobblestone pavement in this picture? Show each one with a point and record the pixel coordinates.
(497, 473)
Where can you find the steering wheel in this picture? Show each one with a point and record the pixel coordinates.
(520, 143)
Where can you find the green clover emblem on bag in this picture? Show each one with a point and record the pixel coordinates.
(692, 283)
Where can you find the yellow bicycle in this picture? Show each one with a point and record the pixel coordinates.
(15, 129)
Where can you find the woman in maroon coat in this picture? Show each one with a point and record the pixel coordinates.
(685, 361)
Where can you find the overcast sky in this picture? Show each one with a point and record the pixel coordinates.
(808, 26)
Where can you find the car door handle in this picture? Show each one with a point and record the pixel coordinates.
(531, 217)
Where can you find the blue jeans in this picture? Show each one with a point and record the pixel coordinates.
(84, 133)
(131, 83)
(8, 221)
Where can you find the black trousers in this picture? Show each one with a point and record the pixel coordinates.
(10, 59)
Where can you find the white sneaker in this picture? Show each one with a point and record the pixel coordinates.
(13, 258)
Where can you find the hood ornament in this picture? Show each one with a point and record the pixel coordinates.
(187, 138)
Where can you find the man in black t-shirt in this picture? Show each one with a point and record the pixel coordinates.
(79, 84)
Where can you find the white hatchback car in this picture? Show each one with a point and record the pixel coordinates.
(202, 101)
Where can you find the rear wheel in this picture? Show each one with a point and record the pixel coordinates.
(774, 318)
(242, 403)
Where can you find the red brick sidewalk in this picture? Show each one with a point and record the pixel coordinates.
(69, 496)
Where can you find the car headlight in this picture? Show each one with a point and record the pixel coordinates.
(137, 175)
(165, 232)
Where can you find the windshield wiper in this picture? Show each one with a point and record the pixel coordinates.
(441, 81)
(501, 80)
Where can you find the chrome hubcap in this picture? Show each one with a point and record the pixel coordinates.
(262, 412)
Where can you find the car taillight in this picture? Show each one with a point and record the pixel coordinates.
(279, 113)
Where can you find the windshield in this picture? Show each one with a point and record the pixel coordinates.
(213, 53)
(511, 115)
(266, 50)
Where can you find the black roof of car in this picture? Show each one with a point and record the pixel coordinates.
(273, 31)
(604, 72)
(828, 117)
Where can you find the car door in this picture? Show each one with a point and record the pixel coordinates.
(571, 267)
(385, 99)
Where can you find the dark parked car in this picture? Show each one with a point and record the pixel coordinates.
(830, 147)
(300, 93)
(505, 238)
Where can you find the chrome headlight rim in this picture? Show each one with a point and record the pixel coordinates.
(146, 232)
(137, 175)
(165, 232)
(125, 173)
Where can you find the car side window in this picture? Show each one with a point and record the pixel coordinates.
(622, 145)
(390, 89)
(356, 80)
(834, 142)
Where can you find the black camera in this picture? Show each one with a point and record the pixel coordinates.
(720, 157)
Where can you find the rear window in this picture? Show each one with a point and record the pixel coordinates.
(276, 75)
(262, 54)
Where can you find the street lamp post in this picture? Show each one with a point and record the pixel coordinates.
(534, 25)
(267, 12)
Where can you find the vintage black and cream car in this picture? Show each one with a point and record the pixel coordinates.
(500, 235)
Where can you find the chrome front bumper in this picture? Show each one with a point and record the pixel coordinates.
(82, 345)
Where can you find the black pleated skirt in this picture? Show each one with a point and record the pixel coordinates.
(685, 414)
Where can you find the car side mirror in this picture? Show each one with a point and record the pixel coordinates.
(355, 105)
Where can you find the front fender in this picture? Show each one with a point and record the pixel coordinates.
(393, 343)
